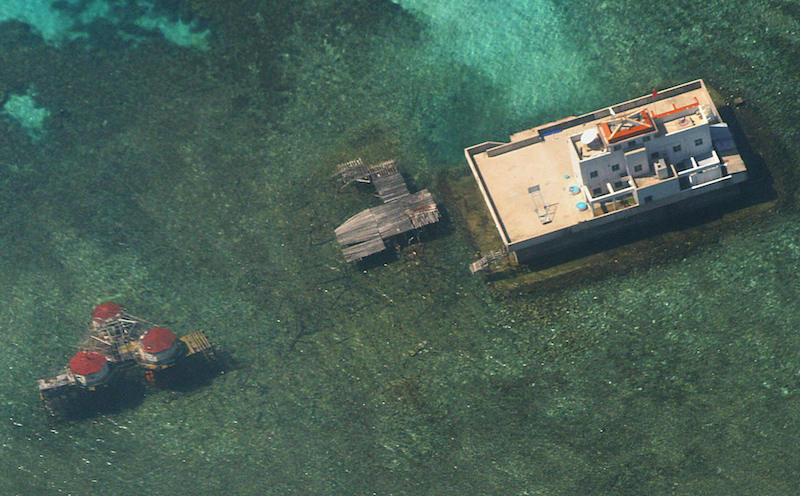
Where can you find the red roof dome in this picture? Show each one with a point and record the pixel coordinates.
(105, 311)
(157, 340)
(87, 362)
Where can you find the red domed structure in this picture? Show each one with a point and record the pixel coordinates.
(115, 341)
(158, 347)
(157, 340)
(90, 368)
(106, 311)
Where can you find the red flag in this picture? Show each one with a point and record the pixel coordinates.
(655, 94)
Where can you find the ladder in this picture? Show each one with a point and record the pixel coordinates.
(541, 208)
(486, 260)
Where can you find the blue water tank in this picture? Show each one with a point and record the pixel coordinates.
(582, 206)
(574, 189)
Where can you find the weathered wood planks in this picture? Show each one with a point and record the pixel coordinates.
(366, 233)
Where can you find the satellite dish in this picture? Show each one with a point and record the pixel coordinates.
(589, 136)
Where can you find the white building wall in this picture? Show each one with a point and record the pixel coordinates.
(574, 159)
(609, 167)
(665, 146)
(705, 176)
(95, 379)
(642, 150)
(161, 357)
(658, 191)
(637, 164)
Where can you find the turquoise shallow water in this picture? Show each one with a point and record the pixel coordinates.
(193, 187)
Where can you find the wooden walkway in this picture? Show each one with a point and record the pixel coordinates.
(366, 233)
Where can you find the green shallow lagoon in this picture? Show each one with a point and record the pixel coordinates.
(194, 188)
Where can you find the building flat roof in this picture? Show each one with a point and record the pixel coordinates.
(539, 156)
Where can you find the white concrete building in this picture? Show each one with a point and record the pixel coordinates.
(557, 184)
(643, 156)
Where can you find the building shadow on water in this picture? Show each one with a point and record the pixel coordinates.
(759, 186)
(195, 373)
(124, 393)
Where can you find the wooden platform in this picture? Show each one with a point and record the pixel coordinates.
(390, 187)
(353, 170)
(358, 251)
(197, 342)
(365, 233)
(56, 386)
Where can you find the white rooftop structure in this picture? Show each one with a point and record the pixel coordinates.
(620, 162)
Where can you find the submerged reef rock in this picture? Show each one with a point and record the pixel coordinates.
(23, 111)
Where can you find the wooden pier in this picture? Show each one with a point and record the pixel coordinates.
(367, 232)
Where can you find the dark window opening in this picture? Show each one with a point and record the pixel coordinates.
(676, 148)
(615, 167)
(698, 142)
